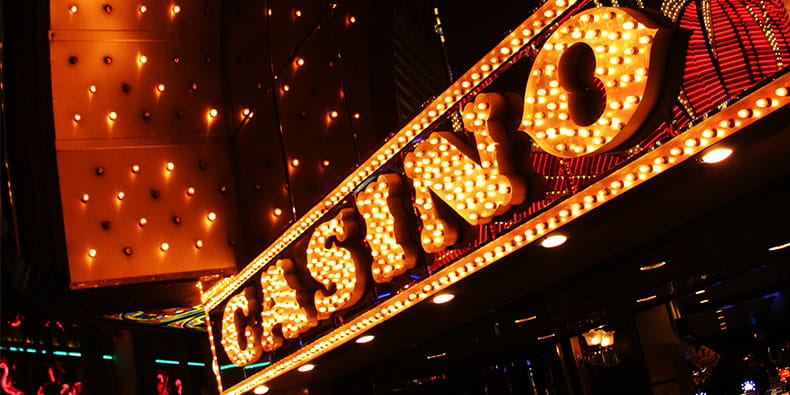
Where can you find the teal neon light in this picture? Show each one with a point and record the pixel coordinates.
(106, 357)
(201, 364)
(166, 361)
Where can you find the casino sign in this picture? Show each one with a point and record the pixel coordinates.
(597, 76)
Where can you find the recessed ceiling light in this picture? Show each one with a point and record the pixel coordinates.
(554, 241)
(704, 301)
(436, 355)
(779, 247)
(653, 266)
(700, 292)
(716, 155)
(443, 298)
(365, 339)
(261, 389)
(306, 367)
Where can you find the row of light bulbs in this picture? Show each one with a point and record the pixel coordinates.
(142, 8)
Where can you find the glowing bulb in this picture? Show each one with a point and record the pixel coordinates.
(170, 166)
(352, 19)
(365, 339)
(164, 246)
(299, 62)
(121, 195)
(553, 241)
(73, 8)
(716, 155)
(246, 112)
(161, 87)
(333, 114)
(443, 298)
(142, 9)
(211, 216)
(92, 89)
(306, 367)
(77, 117)
(190, 191)
(142, 59)
(85, 197)
(704, 301)
(112, 115)
(325, 163)
(286, 88)
(260, 390)
(175, 9)
(213, 113)
(135, 168)
(142, 222)
(298, 13)
(295, 162)
(356, 115)
(199, 244)
(91, 253)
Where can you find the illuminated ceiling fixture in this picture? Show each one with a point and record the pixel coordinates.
(653, 266)
(443, 298)
(700, 292)
(554, 241)
(704, 301)
(779, 247)
(598, 337)
(716, 155)
(260, 390)
(306, 367)
(520, 320)
(651, 297)
(365, 339)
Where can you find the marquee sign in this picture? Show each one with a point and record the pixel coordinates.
(596, 77)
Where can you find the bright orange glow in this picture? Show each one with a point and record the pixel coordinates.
(281, 308)
(170, 166)
(164, 246)
(77, 117)
(142, 59)
(382, 206)
(135, 168)
(199, 244)
(161, 87)
(120, 195)
(298, 13)
(231, 338)
(92, 253)
(112, 116)
(175, 9)
(299, 62)
(286, 88)
(143, 9)
(213, 113)
(356, 115)
(325, 163)
(333, 114)
(190, 191)
(92, 89)
(352, 19)
(278, 212)
(142, 222)
(85, 197)
(338, 269)
(211, 216)
(559, 112)
(73, 8)
(295, 162)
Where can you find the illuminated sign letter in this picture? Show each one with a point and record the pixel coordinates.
(477, 190)
(242, 348)
(382, 208)
(281, 306)
(595, 81)
(340, 270)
